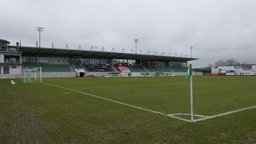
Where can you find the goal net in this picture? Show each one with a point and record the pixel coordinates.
(31, 75)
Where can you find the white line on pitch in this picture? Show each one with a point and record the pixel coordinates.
(226, 113)
(118, 102)
(187, 114)
(152, 111)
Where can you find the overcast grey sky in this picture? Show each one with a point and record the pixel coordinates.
(217, 29)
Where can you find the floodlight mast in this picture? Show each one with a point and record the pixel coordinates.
(191, 48)
(40, 29)
(136, 41)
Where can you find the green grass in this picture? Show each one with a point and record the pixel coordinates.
(39, 113)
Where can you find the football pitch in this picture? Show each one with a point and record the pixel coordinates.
(129, 110)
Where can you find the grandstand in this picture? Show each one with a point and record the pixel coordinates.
(138, 69)
(51, 68)
(57, 62)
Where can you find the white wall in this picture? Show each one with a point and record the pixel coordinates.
(16, 70)
(1, 58)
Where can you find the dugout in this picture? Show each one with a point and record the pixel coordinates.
(80, 73)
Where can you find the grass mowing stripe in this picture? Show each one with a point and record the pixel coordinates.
(118, 102)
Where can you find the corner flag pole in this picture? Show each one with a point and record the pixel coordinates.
(189, 77)
(191, 96)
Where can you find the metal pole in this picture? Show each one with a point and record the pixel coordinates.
(191, 99)
(136, 41)
(191, 94)
(39, 37)
(191, 50)
(40, 29)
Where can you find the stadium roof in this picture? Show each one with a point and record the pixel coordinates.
(36, 51)
(5, 41)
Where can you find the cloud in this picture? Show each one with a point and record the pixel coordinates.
(217, 29)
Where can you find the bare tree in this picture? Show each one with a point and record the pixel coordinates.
(228, 62)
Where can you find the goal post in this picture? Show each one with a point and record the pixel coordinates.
(31, 75)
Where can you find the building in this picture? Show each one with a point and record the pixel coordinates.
(59, 62)
(10, 60)
(242, 70)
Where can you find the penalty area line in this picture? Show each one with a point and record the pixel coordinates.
(118, 102)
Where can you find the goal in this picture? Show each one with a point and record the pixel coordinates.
(31, 75)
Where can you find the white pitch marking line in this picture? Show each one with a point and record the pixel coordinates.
(186, 114)
(118, 102)
(152, 111)
(223, 114)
